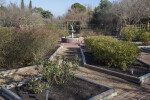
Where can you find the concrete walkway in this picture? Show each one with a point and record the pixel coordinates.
(126, 90)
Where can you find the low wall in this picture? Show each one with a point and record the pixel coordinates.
(72, 40)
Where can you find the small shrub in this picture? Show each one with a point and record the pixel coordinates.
(112, 51)
(56, 72)
(145, 38)
(130, 33)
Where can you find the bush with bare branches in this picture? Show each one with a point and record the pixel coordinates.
(15, 16)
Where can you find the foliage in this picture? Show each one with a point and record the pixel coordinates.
(100, 14)
(19, 48)
(78, 6)
(112, 16)
(57, 72)
(130, 33)
(39, 9)
(46, 14)
(105, 4)
(30, 5)
(112, 51)
(145, 38)
(16, 17)
(22, 4)
(2, 8)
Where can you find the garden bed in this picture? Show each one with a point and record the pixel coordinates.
(30, 64)
(76, 89)
(9, 70)
(141, 71)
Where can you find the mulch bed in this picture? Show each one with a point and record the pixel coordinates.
(76, 89)
(139, 68)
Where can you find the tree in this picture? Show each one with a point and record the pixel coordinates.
(46, 14)
(39, 10)
(22, 4)
(30, 5)
(100, 15)
(105, 4)
(79, 7)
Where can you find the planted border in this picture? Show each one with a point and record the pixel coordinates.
(138, 80)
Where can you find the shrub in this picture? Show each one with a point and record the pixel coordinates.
(130, 33)
(57, 72)
(20, 48)
(112, 51)
(145, 38)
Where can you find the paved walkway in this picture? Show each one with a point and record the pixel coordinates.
(126, 90)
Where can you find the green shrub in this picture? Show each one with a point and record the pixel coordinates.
(145, 38)
(20, 48)
(57, 72)
(130, 33)
(112, 51)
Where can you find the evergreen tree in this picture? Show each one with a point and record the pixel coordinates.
(30, 4)
(78, 6)
(22, 4)
(105, 4)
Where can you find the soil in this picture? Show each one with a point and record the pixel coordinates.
(139, 68)
(29, 64)
(76, 89)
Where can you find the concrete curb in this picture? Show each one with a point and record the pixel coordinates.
(137, 80)
(9, 72)
(54, 54)
(83, 56)
(10, 95)
(141, 61)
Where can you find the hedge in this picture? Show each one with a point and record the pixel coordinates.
(111, 51)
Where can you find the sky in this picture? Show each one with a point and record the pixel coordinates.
(57, 7)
